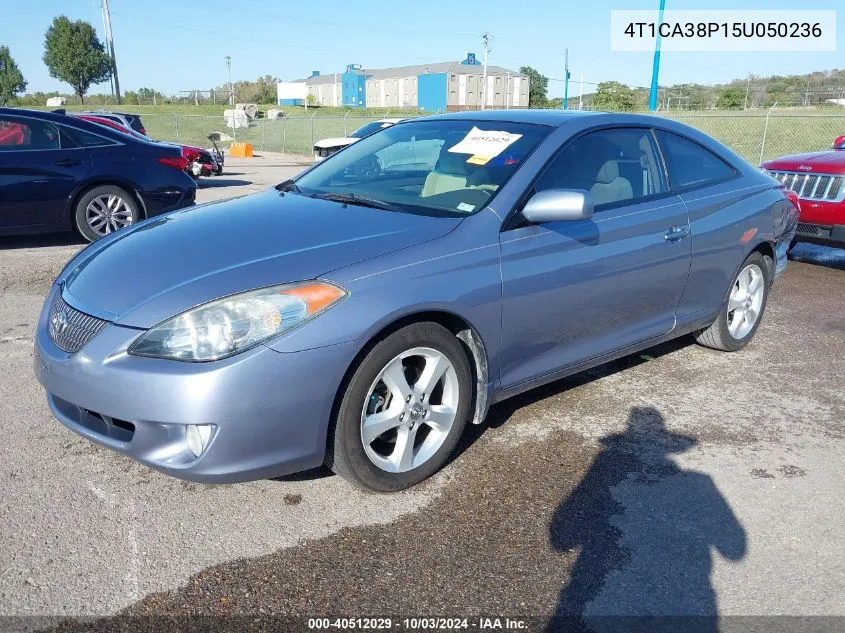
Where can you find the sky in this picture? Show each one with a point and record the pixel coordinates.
(180, 45)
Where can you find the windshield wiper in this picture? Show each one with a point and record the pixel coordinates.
(361, 201)
(288, 185)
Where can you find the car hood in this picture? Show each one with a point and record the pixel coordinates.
(159, 268)
(817, 161)
(340, 141)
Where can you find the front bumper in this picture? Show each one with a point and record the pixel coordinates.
(269, 410)
(826, 235)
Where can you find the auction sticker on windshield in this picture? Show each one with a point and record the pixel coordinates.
(484, 145)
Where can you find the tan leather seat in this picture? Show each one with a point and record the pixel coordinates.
(450, 173)
(610, 186)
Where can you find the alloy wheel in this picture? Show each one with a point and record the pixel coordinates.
(745, 301)
(410, 409)
(108, 213)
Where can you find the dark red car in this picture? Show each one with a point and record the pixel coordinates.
(819, 180)
(200, 161)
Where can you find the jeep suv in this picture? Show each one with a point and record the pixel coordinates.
(819, 180)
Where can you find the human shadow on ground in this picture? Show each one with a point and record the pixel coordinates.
(644, 529)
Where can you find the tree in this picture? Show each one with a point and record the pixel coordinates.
(730, 99)
(11, 79)
(614, 97)
(538, 87)
(75, 55)
(261, 91)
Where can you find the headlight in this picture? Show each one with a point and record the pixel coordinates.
(233, 324)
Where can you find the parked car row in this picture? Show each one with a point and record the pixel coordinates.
(362, 313)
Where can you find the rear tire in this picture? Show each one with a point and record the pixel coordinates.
(104, 210)
(413, 390)
(743, 310)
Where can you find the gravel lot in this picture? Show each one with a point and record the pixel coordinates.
(680, 481)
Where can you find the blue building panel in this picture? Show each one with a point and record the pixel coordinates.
(431, 92)
(353, 90)
(291, 102)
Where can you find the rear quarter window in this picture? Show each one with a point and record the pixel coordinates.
(690, 164)
(74, 137)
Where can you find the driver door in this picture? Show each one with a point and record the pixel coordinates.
(576, 290)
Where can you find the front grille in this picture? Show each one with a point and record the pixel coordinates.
(813, 229)
(119, 430)
(69, 328)
(826, 187)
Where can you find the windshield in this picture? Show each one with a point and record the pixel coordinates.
(370, 128)
(435, 167)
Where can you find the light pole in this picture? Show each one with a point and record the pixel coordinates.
(110, 44)
(566, 80)
(485, 40)
(231, 88)
(655, 70)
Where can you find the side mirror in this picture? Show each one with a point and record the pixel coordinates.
(839, 143)
(555, 205)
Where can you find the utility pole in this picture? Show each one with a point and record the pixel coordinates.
(655, 69)
(747, 88)
(566, 79)
(110, 44)
(485, 42)
(581, 94)
(231, 88)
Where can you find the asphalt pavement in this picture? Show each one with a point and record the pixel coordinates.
(675, 482)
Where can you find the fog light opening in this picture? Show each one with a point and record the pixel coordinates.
(197, 436)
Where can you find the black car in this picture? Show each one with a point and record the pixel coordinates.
(64, 173)
(129, 120)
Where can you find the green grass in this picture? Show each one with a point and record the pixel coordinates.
(294, 135)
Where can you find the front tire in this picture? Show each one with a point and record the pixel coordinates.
(403, 410)
(740, 317)
(104, 210)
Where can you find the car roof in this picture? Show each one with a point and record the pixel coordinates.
(65, 118)
(522, 115)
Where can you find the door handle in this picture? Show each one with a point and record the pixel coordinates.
(68, 162)
(676, 233)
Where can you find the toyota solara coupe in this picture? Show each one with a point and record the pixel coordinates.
(362, 313)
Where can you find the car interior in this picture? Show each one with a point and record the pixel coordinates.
(15, 135)
(613, 165)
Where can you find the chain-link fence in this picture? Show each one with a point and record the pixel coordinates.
(762, 136)
(292, 135)
(756, 136)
